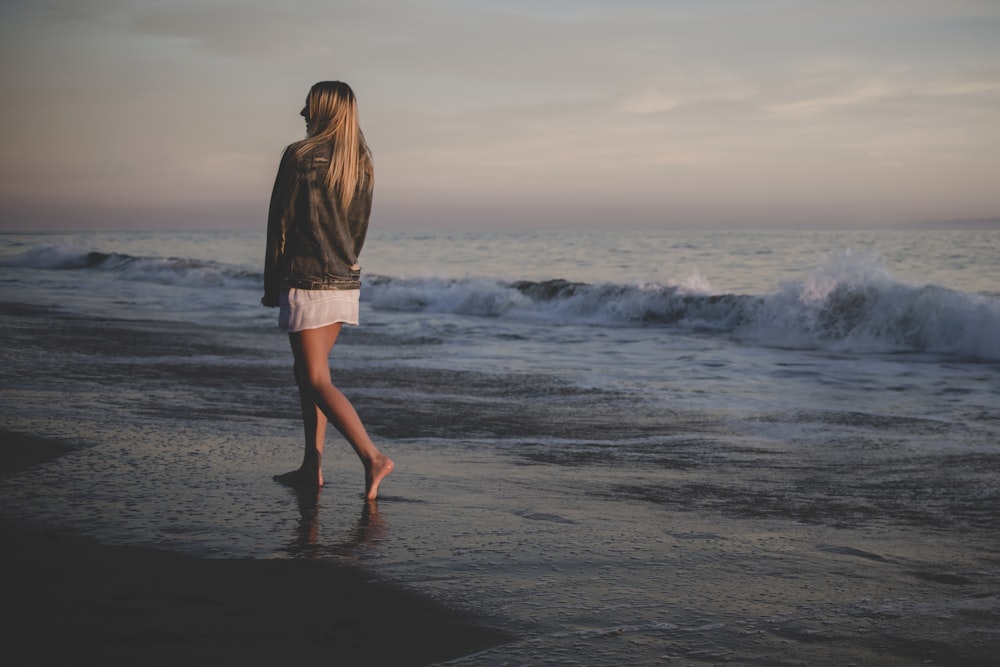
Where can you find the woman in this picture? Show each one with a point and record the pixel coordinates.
(315, 230)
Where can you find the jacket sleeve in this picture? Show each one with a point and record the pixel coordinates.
(361, 211)
(278, 220)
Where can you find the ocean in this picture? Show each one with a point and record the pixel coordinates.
(632, 448)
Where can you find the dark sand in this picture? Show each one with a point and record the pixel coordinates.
(70, 599)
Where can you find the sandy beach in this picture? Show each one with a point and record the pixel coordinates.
(70, 598)
(613, 473)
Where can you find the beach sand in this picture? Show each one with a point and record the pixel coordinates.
(70, 598)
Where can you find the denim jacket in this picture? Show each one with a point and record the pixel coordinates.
(312, 241)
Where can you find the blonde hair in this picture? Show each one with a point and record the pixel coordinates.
(332, 117)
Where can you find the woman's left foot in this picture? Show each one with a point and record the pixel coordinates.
(374, 475)
(300, 479)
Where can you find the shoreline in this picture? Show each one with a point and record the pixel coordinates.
(70, 596)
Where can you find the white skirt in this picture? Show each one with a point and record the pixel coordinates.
(301, 309)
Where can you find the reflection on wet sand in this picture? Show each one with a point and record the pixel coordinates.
(369, 529)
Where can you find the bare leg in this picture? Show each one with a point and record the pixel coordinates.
(312, 372)
(310, 473)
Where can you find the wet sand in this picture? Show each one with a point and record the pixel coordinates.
(68, 597)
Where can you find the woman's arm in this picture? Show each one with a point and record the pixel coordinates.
(277, 227)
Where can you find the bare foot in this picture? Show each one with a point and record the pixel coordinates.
(375, 473)
(301, 479)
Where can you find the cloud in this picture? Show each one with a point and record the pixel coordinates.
(867, 93)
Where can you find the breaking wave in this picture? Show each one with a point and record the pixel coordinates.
(161, 270)
(851, 303)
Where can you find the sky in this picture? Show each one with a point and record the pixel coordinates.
(507, 114)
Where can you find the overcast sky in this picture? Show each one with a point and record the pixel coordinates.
(172, 114)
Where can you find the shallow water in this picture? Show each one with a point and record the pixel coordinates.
(705, 489)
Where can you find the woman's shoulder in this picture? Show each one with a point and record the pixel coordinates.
(307, 151)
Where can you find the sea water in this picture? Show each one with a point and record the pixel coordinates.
(628, 447)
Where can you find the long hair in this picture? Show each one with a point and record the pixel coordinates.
(332, 117)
